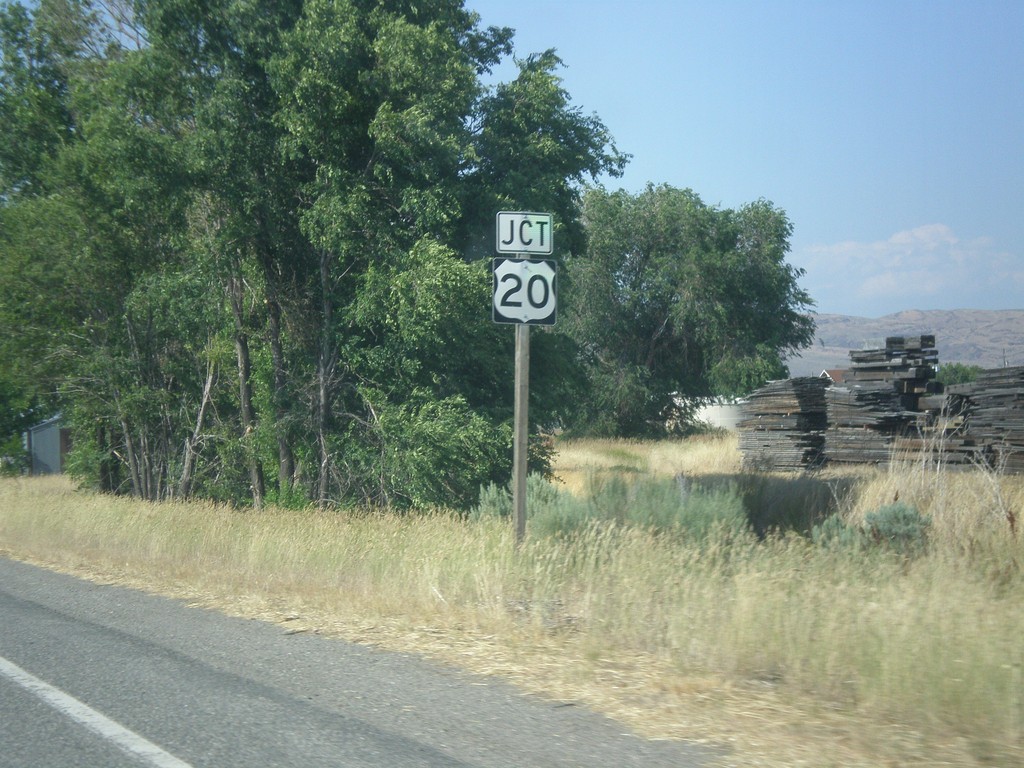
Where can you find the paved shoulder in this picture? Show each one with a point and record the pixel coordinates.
(217, 691)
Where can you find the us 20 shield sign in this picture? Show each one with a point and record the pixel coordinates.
(525, 291)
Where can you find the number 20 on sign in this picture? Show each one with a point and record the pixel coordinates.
(524, 291)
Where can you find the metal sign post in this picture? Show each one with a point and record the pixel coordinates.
(520, 443)
(525, 293)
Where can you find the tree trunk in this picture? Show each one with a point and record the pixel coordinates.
(326, 363)
(131, 460)
(108, 466)
(145, 466)
(247, 415)
(285, 455)
(188, 461)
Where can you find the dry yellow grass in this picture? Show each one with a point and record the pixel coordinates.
(788, 654)
(579, 460)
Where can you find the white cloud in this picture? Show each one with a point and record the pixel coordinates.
(927, 267)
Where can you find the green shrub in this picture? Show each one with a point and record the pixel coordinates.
(551, 511)
(899, 527)
(895, 527)
(834, 533)
(294, 497)
(14, 459)
(432, 452)
(681, 507)
(561, 515)
(662, 504)
(496, 500)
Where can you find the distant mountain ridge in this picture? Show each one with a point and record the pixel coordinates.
(987, 338)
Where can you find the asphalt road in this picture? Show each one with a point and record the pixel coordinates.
(97, 676)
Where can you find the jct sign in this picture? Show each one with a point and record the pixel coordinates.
(519, 232)
(524, 291)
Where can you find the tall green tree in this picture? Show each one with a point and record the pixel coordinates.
(215, 58)
(85, 228)
(246, 236)
(35, 114)
(676, 300)
(49, 244)
(376, 99)
(408, 146)
(535, 150)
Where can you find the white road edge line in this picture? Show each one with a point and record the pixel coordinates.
(124, 739)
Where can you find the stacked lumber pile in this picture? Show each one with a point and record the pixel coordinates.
(906, 364)
(889, 406)
(864, 420)
(878, 402)
(941, 435)
(994, 415)
(782, 425)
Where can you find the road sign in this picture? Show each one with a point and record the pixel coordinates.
(525, 291)
(522, 232)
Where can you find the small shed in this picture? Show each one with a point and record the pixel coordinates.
(48, 444)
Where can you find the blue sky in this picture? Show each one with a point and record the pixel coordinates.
(891, 131)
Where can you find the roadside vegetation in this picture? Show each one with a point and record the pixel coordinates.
(245, 253)
(869, 617)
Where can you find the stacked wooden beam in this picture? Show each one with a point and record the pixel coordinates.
(878, 406)
(782, 425)
(889, 406)
(905, 363)
(995, 415)
(863, 420)
(878, 402)
(941, 435)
